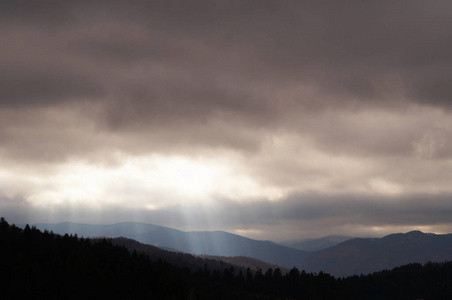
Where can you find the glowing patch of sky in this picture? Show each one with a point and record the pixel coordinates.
(142, 182)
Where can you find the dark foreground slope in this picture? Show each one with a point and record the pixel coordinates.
(40, 265)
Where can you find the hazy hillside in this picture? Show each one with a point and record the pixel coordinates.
(133, 230)
(43, 265)
(366, 255)
(194, 262)
(316, 244)
(355, 256)
(204, 242)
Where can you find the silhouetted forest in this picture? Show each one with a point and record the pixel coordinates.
(191, 261)
(43, 265)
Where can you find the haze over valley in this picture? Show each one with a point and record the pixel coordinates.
(354, 256)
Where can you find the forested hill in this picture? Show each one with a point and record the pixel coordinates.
(352, 257)
(367, 255)
(196, 242)
(43, 265)
(194, 262)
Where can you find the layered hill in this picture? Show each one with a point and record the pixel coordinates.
(43, 265)
(217, 243)
(367, 255)
(316, 244)
(194, 262)
(354, 256)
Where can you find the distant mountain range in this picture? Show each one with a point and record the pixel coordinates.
(217, 243)
(367, 255)
(316, 244)
(195, 262)
(354, 256)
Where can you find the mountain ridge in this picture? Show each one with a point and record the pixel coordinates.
(219, 243)
(367, 255)
(351, 257)
(315, 244)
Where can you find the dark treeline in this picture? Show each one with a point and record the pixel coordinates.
(190, 261)
(43, 265)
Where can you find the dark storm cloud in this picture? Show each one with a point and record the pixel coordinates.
(28, 87)
(421, 209)
(333, 92)
(167, 68)
(345, 49)
(171, 68)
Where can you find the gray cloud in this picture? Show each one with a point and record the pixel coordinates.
(345, 49)
(304, 95)
(269, 66)
(42, 87)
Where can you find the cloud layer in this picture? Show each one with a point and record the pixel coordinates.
(289, 114)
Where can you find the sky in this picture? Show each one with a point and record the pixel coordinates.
(274, 120)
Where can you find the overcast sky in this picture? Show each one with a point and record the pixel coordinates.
(270, 119)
